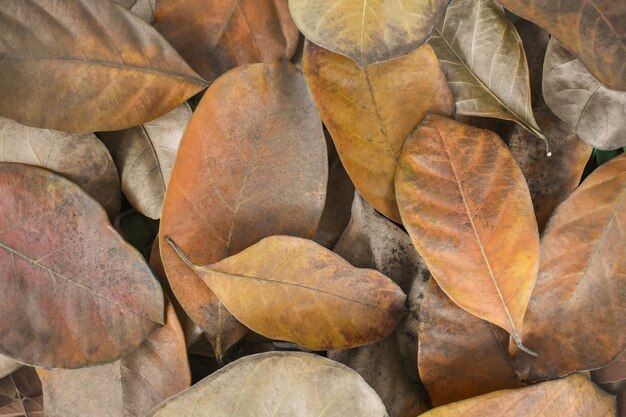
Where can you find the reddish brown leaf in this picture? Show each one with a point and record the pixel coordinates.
(86, 65)
(577, 314)
(460, 356)
(60, 255)
(468, 211)
(252, 163)
(215, 36)
(614, 372)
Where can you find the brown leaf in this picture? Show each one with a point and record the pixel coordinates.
(574, 396)
(339, 197)
(20, 394)
(483, 58)
(252, 163)
(580, 292)
(277, 384)
(59, 254)
(81, 158)
(142, 8)
(595, 112)
(548, 185)
(8, 366)
(468, 211)
(365, 111)
(367, 31)
(86, 65)
(593, 30)
(460, 356)
(215, 36)
(145, 157)
(614, 372)
(133, 385)
(292, 289)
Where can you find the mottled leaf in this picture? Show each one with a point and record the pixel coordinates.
(81, 158)
(466, 206)
(252, 163)
(131, 386)
(215, 36)
(86, 65)
(576, 317)
(365, 111)
(367, 31)
(593, 111)
(460, 356)
(292, 289)
(483, 58)
(60, 255)
(277, 384)
(574, 396)
(145, 157)
(593, 29)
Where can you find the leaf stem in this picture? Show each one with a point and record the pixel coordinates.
(180, 252)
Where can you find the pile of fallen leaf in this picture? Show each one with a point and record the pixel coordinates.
(349, 208)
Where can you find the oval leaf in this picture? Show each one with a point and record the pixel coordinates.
(145, 156)
(277, 384)
(215, 36)
(252, 163)
(110, 72)
(81, 158)
(367, 31)
(467, 208)
(365, 111)
(133, 385)
(59, 254)
(586, 288)
(460, 356)
(483, 58)
(593, 29)
(292, 289)
(574, 396)
(593, 111)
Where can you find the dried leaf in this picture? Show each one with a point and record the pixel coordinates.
(467, 208)
(145, 157)
(292, 289)
(131, 386)
(252, 164)
(20, 394)
(110, 72)
(592, 29)
(142, 8)
(614, 372)
(593, 111)
(365, 111)
(460, 356)
(367, 31)
(277, 384)
(215, 36)
(59, 254)
(8, 366)
(81, 158)
(483, 58)
(583, 262)
(574, 396)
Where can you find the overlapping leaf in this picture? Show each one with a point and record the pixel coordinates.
(81, 158)
(110, 72)
(7, 366)
(131, 386)
(367, 31)
(460, 356)
(59, 255)
(277, 384)
(579, 296)
(483, 58)
(292, 289)
(215, 36)
(252, 164)
(593, 111)
(614, 372)
(365, 111)
(574, 396)
(593, 29)
(142, 8)
(467, 208)
(145, 157)
(20, 394)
